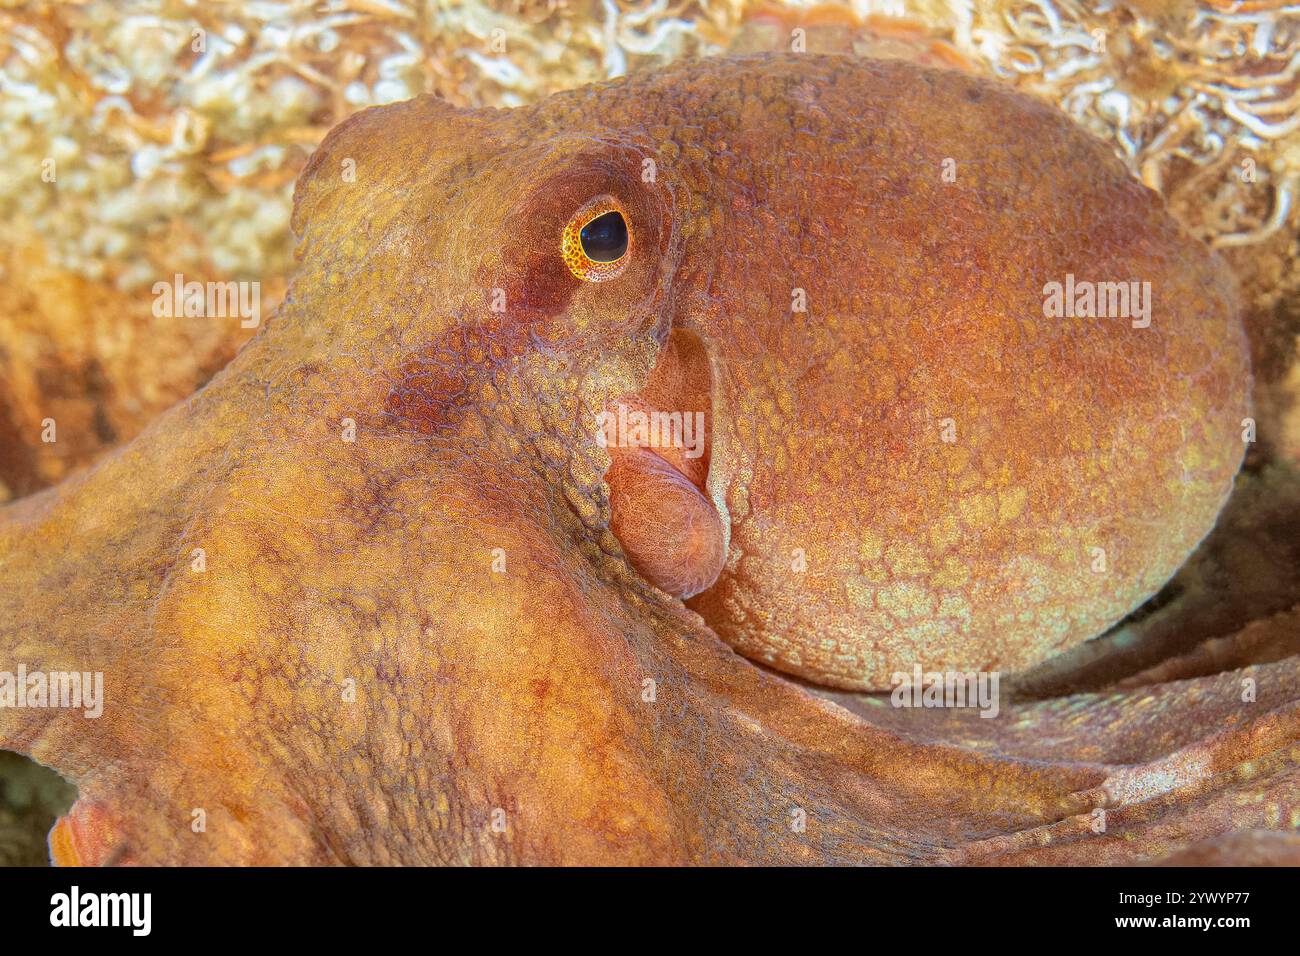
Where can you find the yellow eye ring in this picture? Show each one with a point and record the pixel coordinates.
(597, 242)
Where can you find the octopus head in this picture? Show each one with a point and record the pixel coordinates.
(865, 382)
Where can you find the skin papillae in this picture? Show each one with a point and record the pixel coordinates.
(359, 600)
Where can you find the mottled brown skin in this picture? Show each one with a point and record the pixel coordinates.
(522, 692)
(925, 314)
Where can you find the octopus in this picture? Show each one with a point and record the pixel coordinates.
(411, 580)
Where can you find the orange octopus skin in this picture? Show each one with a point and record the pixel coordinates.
(359, 601)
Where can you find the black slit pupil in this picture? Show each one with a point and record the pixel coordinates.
(604, 239)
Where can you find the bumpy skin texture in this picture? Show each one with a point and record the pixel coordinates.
(414, 637)
(925, 320)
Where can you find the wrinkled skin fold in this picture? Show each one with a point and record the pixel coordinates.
(362, 600)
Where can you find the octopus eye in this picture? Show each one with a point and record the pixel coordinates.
(597, 240)
(604, 239)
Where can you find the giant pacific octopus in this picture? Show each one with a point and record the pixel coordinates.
(378, 594)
